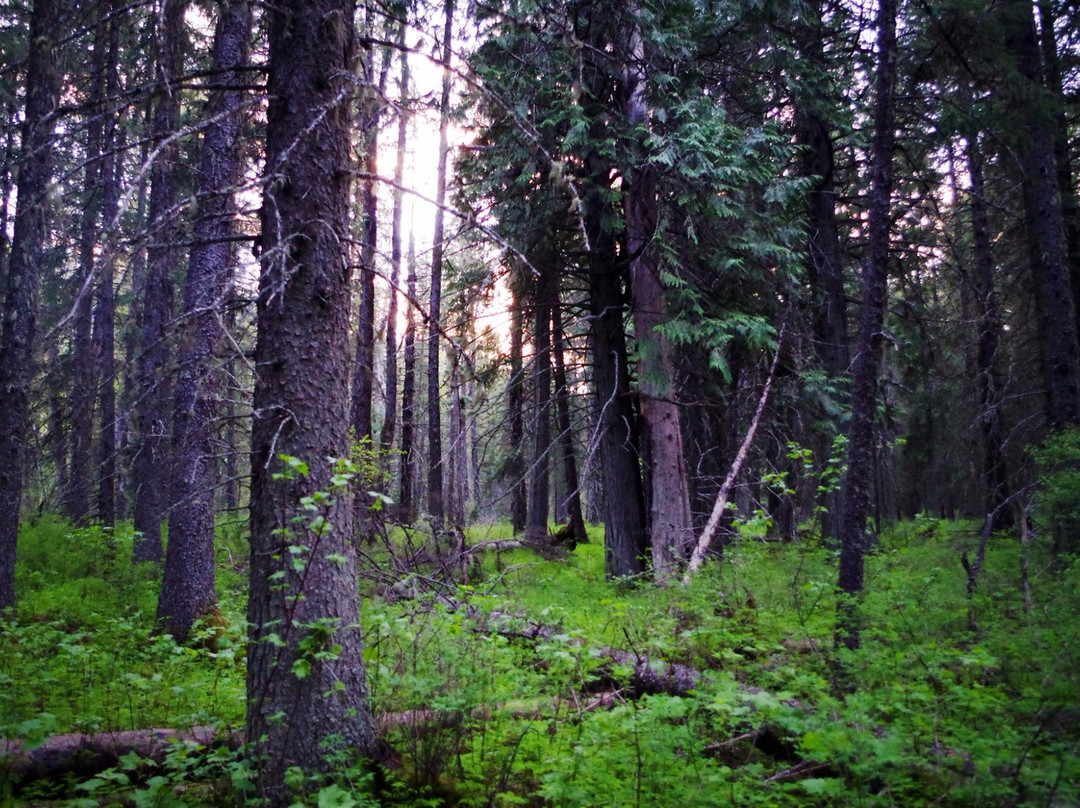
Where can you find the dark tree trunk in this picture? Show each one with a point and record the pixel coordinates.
(188, 586)
(434, 403)
(23, 278)
(625, 538)
(306, 686)
(391, 384)
(458, 485)
(825, 268)
(232, 450)
(104, 333)
(1045, 226)
(515, 402)
(84, 371)
(670, 525)
(364, 363)
(994, 471)
(859, 480)
(150, 469)
(574, 518)
(1070, 204)
(547, 291)
(408, 393)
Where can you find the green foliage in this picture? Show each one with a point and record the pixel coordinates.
(485, 709)
(1057, 501)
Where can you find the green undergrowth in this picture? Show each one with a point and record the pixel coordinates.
(502, 690)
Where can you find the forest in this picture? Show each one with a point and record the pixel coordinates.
(583, 403)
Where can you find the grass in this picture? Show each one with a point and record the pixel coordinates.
(959, 701)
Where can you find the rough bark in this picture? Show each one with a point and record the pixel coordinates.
(150, 468)
(188, 585)
(825, 268)
(670, 524)
(515, 403)
(625, 536)
(988, 383)
(19, 326)
(104, 333)
(546, 288)
(1048, 256)
(84, 372)
(575, 520)
(625, 539)
(435, 459)
(408, 394)
(389, 429)
(859, 480)
(305, 669)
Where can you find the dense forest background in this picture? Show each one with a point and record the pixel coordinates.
(351, 301)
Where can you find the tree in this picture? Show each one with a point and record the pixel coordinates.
(24, 265)
(861, 434)
(306, 681)
(670, 526)
(187, 588)
(1033, 137)
(150, 469)
(434, 402)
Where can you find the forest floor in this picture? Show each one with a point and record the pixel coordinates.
(537, 682)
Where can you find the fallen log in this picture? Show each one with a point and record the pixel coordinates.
(85, 755)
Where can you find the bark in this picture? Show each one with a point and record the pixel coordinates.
(364, 362)
(188, 586)
(1045, 225)
(625, 539)
(670, 524)
(625, 536)
(104, 333)
(1070, 204)
(19, 326)
(859, 480)
(408, 394)
(389, 429)
(575, 520)
(536, 528)
(84, 372)
(150, 469)
(305, 669)
(515, 403)
(994, 470)
(458, 484)
(435, 458)
(83, 755)
(825, 268)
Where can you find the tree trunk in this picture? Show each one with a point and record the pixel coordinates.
(994, 471)
(408, 394)
(547, 289)
(391, 383)
(859, 481)
(84, 372)
(435, 458)
(363, 376)
(515, 403)
(625, 540)
(670, 526)
(1045, 226)
(104, 333)
(305, 674)
(150, 469)
(1070, 204)
(575, 520)
(825, 268)
(23, 278)
(188, 590)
